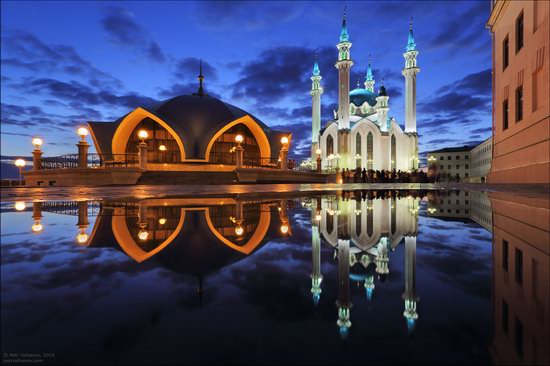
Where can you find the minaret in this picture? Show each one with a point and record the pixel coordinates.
(369, 80)
(343, 65)
(410, 282)
(382, 108)
(316, 91)
(200, 92)
(409, 72)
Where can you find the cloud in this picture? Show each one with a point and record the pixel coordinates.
(124, 30)
(23, 50)
(188, 69)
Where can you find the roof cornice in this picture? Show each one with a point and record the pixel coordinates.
(498, 8)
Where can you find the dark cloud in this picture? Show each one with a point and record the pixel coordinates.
(478, 84)
(23, 50)
(124, 30)
(188, 69)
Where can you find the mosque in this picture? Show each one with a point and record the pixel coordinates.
(362, 133)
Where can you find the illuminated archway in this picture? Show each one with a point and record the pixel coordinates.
(128, 125)
(255, 128)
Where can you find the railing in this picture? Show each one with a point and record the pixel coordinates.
(112, 160)
(258, 162)
(222, 158)
(60, 162)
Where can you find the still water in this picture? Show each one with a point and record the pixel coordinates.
(359, 277)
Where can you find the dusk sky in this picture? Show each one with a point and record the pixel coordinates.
(65, 63)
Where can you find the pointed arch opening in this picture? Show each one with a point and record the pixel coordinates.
(358, 154)
(370, 149)
(393, 152)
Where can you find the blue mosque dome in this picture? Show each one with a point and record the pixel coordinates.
(359, 96)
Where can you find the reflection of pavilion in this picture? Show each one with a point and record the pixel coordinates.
(363, 233)
(191, 236)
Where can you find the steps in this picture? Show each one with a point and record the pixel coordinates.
(160, 177)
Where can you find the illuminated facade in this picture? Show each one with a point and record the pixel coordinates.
(362, 134)
(521, 91)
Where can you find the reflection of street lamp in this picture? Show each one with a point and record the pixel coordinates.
(284, 228)
(20, 163)
(239, 230)
(37, 217)
(162, 221)
(143, 234)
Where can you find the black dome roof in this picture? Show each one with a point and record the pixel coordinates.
(197, 118)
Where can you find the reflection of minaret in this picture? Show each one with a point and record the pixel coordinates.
(316, 277)
(343, 303)
(410, 282)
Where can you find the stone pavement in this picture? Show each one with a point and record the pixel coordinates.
(137, 192)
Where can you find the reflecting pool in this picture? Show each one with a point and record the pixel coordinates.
(450, 277)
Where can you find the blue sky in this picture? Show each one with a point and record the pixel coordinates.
(65, 63)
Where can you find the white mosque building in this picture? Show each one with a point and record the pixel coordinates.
(362, 134)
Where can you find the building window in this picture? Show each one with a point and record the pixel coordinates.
(448, 158)
(467, 166)
(457, 211)
(466, 211)
(519, 266)
(505, 53)
(458, 202)
(448, 167)
(519, 32)
(330, 145)
(441, 210)
(457, 157)
(442, 167)
(505, 115)
(505, 316)
(505, 255)
(457, 166)
(466, 157)
(442, 201)
(449, 210)
(519, 338)
(519, 103)
(221, 151)
(467, 202)
(441, 158)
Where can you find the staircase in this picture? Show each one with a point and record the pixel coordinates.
(160, 177)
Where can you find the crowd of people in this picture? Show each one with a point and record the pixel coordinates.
(383, 176)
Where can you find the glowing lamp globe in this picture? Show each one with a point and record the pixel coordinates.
(20, 163)
(37, 227)
(284, 140)
(318, 217)
(143, 135)
(239, 230)
(20, 206)
(318, 151)
(284, 229)
(162, 221)
(82, 238)
(82, 132)
(239, 139)
(162, 148)
(37, 142)
(143, 235)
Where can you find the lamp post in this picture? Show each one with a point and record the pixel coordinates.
(37, 217)
(37, 153)
(82, 147)
(142, 149)
(284, 153)
(239, 151)
(318, 152)
(20, 163)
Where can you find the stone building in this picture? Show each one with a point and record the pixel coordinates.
(521, 98)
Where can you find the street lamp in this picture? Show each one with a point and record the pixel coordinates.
(20, 163)
(284, 140)
(162, 148)
(143, 135)
(20, 206)
(162, 221)
(82, 132)
(37, 142)
(239, 139)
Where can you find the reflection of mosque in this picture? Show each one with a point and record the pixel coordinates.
(189, 236)
(363, 232)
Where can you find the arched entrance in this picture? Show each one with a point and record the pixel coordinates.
(223, 148)
(162, 146)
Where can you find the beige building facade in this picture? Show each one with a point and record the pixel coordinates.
(481, 157)
(521, 99)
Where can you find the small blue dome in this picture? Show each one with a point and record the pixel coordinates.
(359, 96)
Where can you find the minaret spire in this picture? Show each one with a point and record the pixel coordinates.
(344, 36)
(369, 80)
(200, 92)
(411, 46)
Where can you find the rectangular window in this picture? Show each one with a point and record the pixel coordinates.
(505, 316)
(505, 255)
(442, 201)
(457, 166)
(441, 158)
(448, 158)
(505, 115)
(458, 202)
(519, 266)
(519, 32)
(457, 157)
(466, 157)
(467, 166)
(519, 338)
(505, 53)
(519, 103)
(442, 167)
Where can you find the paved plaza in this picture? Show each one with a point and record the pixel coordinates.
(138, 192)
